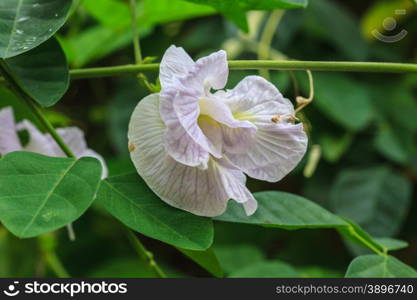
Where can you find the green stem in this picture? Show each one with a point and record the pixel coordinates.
(364, 241)
(135, 34)
(336, 66)
(35, 109)
(47, 244)
(56, 266)
(145, 254)
(266, 38)
(48, 126)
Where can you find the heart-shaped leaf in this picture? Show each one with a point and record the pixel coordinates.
(375, 198)
(128, 198)
(283, 210)
(25, 24)
(42, 73)
(289, 211)
(379, 266)
(40, 193)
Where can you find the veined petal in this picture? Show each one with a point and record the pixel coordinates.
(277, 147)
(9, 140)
(184, 140)
(257, 100)
(202, 192)
(176, 63)
(236, 135)
(38, 141)
(275, 152)
(213, 70)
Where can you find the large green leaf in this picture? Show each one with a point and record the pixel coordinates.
(343, 100)
(289, 211)
(391, 244)
(206, 259)
(25, 24)
(375, 198)
(379, 266)
(283, 210)
(235, 10)
(234, 257)
(266, 269)
(42, 72)
(40, 193)
(129, 199)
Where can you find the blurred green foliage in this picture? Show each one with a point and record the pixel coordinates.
(365, 125)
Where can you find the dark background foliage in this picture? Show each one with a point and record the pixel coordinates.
(365, 126)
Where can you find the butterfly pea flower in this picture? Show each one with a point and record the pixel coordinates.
(40, 142)
(194, 142)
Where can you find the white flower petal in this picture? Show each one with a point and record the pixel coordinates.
(184, 140)
(74, 138)
(277, 147)
(213, 70)
(9, 140)
(202, 192)
(38, 142)
(237, 135)
(275, 152)
(257, 100)
(176, 63)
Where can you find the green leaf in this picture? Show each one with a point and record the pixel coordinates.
(391, 244)
(156, 12)
(283, 210)
(266, 269)
(206, 259)
(334, 147)
(111, 13)
(288, 211)
(389, 144)
(96, 42)
(237, 256)
(129, 199)
(25, 24)
(379, 266)
(375, 198)
(235, 10)
(42, 73)
(342, 99)
(40, 194)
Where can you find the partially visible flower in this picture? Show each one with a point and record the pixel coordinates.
(40, 142)
(193, 142)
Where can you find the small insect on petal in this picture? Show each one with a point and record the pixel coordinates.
(276, 118)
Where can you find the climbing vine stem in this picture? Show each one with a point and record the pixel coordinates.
(336, 66)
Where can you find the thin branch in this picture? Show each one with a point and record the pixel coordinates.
(135, 34)
(266, 38)
(145, 254)
(331, 66)
(35, 108)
